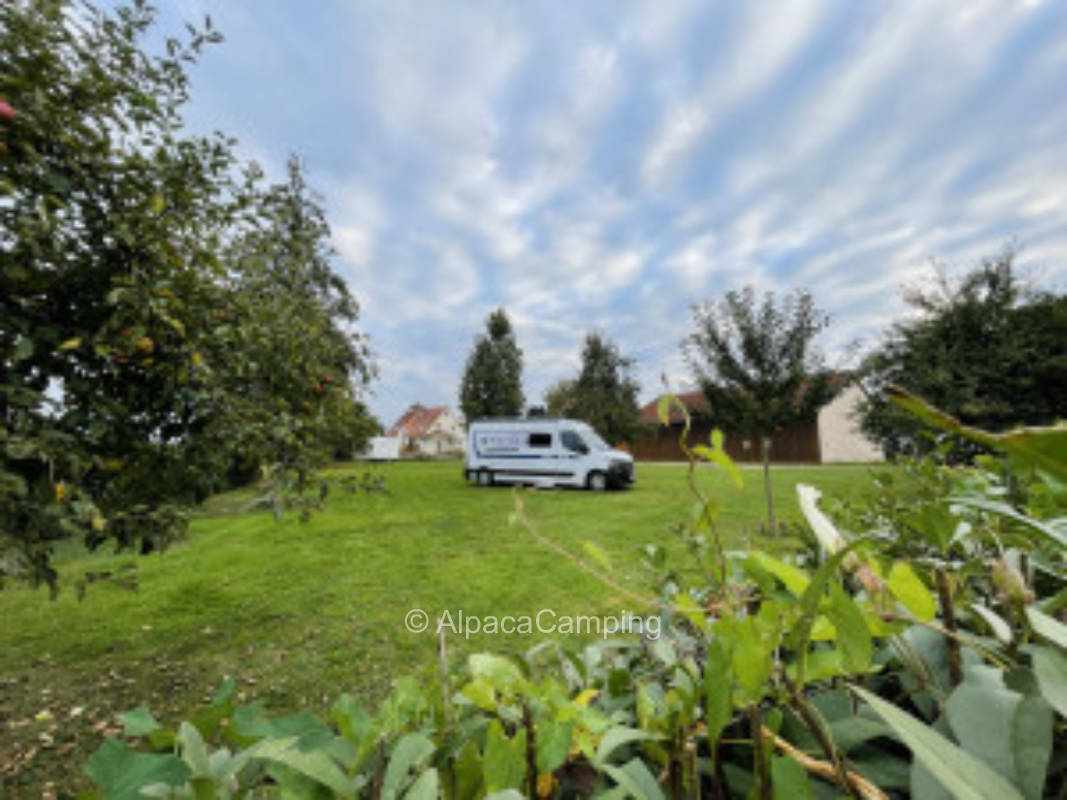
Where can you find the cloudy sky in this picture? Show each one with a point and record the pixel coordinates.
(604, 165)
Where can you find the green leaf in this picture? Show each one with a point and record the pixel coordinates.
(957, 770)
(1031, 744)
(504, 763)
(23, 350)
(718, 686)
(789, 780)
(635, 778)
(751, 659)
(663, 409)
(193, 750)
(120, 773)
(314, 764)
(1003, 509)
(425, 788)
(853, 636)
(1000, 628)
(616, 737)
(793, 578)
(498, 671)
(685, 605)
(1050, 669)
(1044, 448)
(553, 743)
(410, 753)
(980, 715)
(912, 593)
(139, 722)
(1048, 627)
(467, 770)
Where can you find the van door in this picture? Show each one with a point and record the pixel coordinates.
(575, 452)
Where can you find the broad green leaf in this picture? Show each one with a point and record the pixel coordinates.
(751, 660)
(120, 772)
(636, 779)
(718, 689)
(314, 764)
(912, 593)
(410, 753)
(1048, 627)
(616, 737)
(425, 788)
(504, 762)
(70, 344)
(467, 770)
(193, 750)
(501, 673)
(789, 780)
(981, 718)
(553, 743)
(793, 578)
(853, 637)
(139, 722)
(1050, 669)
(1031, 744)
(956, 769)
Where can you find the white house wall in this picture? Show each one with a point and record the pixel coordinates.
(840, 439)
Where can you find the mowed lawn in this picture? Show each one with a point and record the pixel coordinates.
(301, 612)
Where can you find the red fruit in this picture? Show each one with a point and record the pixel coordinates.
(7, 111)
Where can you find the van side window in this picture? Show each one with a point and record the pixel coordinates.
(540, 440)
(573, 442)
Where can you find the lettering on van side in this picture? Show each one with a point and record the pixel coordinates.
(499, 442)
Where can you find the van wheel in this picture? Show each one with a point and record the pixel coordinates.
(485, 477)
(597, 481)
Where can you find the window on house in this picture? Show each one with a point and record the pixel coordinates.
(540, 440)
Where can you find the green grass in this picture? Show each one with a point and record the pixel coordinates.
(299, 613)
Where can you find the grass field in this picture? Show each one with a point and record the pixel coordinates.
(299, 613)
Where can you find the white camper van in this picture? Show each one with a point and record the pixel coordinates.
(544, 451)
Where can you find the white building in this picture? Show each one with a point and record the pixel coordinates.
(429, 431)
(840, 437)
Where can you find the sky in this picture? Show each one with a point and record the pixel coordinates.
(605, 165)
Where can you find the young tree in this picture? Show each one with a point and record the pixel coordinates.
(604, 394)
(492, 380)
(983, 348)
(757, 364)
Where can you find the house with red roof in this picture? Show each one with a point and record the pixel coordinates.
(429, 430)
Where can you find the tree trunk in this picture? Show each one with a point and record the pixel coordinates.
(772, 527)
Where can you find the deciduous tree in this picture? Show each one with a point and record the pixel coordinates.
(983, 347)
(163, 313)
(756, 361)
(604, 394)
